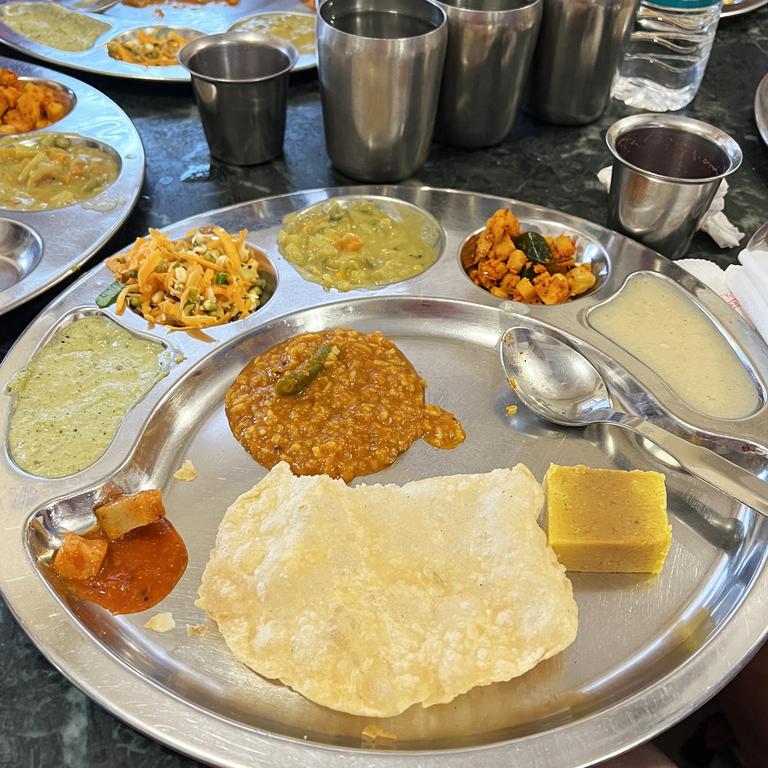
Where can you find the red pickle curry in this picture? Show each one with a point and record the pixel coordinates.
(130, 561)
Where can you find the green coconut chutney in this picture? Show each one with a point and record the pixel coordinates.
(52, 25)
(70, 399)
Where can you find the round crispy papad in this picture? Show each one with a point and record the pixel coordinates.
(371, 599)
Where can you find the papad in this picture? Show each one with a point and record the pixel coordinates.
(371, 599)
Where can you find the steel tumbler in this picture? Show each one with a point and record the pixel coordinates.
(240, 80)
(666, 171)
(490, 45)
(580, 47)
(379, 64)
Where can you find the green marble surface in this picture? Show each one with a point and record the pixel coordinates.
(46, 722)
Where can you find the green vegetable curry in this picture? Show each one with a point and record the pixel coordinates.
(357, 244)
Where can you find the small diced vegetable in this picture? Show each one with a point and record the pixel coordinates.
(526, 290)
(79, 558)
(580, 279)
(552, 289)
(563, 247)
(125, 513)
(516, 261)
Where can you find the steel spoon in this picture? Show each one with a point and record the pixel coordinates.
(558, 383)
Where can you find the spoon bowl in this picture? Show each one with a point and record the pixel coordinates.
(554, 380)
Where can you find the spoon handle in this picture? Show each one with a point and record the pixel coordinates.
(708, 466)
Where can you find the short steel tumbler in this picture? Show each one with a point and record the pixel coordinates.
(666, 171)
(240, 80)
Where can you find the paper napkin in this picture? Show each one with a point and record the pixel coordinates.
(749, 283)
(744, 286)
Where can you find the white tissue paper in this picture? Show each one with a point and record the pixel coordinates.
(744, 288)
(749, 283)
(756, 264)
(715, 223)
(713, 277)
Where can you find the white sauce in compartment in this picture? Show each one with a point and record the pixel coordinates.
(657, 323)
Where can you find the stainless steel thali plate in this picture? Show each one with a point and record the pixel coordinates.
(205, 18)
(737, 7)
(67, 237)
(761, 109)
(649, 650)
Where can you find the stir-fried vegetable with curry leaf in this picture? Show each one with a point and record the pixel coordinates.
(525, 266)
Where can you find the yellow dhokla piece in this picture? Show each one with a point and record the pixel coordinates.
(607, 519)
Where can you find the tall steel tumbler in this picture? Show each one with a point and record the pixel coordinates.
(379, 64)
(490, 45)
(580, 47)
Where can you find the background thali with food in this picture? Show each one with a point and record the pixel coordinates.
(40, 249)
(507, 169)
(111, 38)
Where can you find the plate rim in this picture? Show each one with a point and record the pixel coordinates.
(740, 7)
(80, 60)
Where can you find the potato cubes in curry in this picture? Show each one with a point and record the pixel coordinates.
(607, 520)
(79, 558)
(125, 513)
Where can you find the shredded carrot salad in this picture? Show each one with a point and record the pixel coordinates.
(149, 49)
(207, 278)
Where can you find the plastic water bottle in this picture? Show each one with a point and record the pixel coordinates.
(667, 53)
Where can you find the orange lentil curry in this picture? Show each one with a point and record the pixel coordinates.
(339, 403)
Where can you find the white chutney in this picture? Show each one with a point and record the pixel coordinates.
(657, 323)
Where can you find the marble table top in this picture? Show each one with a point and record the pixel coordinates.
(44, 720)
